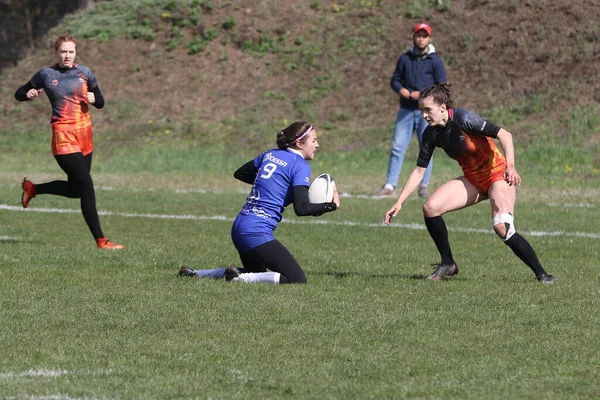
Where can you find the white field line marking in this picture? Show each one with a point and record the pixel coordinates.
(572, 205)
(342, 194)
(55, 397)
(9, 238)
(45, 373)
(414, 226)
(53, 373)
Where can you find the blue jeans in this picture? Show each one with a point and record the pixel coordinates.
(406, 122)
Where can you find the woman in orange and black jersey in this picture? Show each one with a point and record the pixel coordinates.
(70, 88)
(487, 174)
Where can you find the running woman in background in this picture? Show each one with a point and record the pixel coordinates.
(279, 177)
(70, 88)
(467, 138)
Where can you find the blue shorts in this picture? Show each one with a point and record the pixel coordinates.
(249, 231)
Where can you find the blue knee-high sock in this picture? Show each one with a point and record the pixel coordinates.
(211, 273)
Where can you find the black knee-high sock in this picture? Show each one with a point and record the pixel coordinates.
(90, 214)
(439, 233)
(74, 191)
(80, 184)
(521, 247)
(58, 188)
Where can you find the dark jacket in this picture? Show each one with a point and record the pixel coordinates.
(417, 73)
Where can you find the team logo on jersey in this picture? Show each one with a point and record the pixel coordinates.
(55, 82)
(273, 159)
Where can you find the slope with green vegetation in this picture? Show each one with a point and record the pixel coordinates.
(222, 75)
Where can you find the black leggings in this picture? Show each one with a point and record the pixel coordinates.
(79, 186)
(273, 256)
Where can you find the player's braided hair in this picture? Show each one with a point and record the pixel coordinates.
(62, 39)
(441, 94)
(287, 137)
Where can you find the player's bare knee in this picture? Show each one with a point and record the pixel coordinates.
(504, 225)
(430, 210)
(500, 230)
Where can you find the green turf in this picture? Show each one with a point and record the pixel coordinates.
(78, 322)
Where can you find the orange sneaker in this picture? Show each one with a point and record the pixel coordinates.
(104, 243)
(28, 192)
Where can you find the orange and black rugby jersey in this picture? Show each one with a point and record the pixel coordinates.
(66, 89)
(466, 138)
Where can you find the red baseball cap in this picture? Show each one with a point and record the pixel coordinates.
(422, 26)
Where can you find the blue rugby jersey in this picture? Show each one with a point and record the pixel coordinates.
(278, 172)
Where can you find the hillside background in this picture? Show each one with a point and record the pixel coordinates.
(229, 74)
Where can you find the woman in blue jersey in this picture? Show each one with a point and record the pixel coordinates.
(279, 177)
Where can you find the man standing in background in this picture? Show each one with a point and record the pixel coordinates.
(418, 68)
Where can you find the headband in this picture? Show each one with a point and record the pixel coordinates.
(310, 128)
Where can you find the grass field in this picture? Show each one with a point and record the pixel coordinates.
(78, 322)
(194, 89)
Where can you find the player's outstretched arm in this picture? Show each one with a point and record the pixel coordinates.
(412, 183)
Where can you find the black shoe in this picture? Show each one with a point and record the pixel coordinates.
(546, 279)
(187, 271)
(231, 272)
(442, 270)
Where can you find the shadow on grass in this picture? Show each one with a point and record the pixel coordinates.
(346, 274)
(11, 240)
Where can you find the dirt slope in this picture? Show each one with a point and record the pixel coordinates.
(495, 53)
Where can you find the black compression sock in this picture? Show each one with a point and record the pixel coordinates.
(58, 188)
(521, 247)
(439, 233)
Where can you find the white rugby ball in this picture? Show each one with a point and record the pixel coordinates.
(321, 189)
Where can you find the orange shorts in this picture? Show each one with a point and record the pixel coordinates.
(72, 141)
(484, 181)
